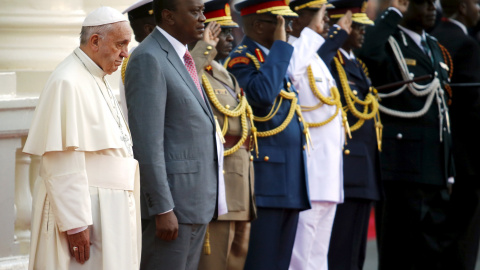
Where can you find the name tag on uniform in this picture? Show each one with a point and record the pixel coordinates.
(444, 66)
(318, 79)
(221, 91)
(410, 62)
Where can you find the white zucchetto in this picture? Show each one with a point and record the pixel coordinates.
(103, 15)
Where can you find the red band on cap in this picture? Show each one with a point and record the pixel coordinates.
(215, 14)
(254, 8)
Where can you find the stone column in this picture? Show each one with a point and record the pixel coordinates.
(38, 34)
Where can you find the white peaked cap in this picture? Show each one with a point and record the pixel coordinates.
(136, 5)
(103, 15)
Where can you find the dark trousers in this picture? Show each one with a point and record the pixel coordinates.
(348, 242)
(271, 239)
(412, 231)
(182, 253)
(464, 224)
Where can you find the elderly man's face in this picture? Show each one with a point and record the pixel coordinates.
(114, 47)
(189, 20)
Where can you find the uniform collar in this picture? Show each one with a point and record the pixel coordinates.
(91, 66)
(349, 56)
(265, 50)
(414, 36)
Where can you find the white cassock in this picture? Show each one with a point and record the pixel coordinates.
(88, 176)
(324, 160)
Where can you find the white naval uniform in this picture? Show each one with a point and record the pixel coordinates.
(88, 176)
(324, 161)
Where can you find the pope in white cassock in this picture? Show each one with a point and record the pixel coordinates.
(85, 209)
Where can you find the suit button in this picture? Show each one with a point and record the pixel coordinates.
(209, 47)
(335, 32)
(266, 158)
(289, 84)
(347, 152)
(299, 119)
(251, 158)
(206, 53)
(304, 147)
(331, 36)
(355, 92)
(399, 136)
(227, 106)
(223, 171)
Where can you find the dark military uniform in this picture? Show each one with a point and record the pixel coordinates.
(416, 159)
(465, 112)
(280, 169)
(360, 160)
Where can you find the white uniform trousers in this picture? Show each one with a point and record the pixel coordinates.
(314, 228)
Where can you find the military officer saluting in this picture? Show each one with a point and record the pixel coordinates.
(226, 243)
(322, 109)
(416, 159)
(260, 65)
(360, 154)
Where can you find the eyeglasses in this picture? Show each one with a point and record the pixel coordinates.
(288, 22)
(226, 31)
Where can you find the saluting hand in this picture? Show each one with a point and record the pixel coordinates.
(79, 245)
(316, 24)
(280, 33)
(166, 226)
(401, 5)
(211, 33)
(345, 22)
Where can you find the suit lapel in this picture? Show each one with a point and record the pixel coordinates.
(174, 59)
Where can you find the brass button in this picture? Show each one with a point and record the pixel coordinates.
(331, 36)
(355, 92)
(299, 119)
(251, 158)
(227, 106)
(399, 136)
(206, 53)
(335, 32)
(289, 84)
(223, 171)
(266, 158)
(209, 47)
(304, 147)
(347, 152)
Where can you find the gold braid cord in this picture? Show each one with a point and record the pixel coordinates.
(243, 110)
(124, 68)
(370, 103)
(333, 100)
(448, 58)
(294, 108)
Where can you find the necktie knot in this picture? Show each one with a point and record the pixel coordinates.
(426, 48)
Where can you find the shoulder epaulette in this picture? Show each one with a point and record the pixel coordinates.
(364, 67)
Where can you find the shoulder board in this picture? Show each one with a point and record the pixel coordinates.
(124, 68)
(238, 60)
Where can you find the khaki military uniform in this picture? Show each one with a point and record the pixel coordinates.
(229, 235)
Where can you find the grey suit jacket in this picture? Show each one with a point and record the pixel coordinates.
(173, 132)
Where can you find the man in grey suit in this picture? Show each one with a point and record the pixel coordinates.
(173, 132)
